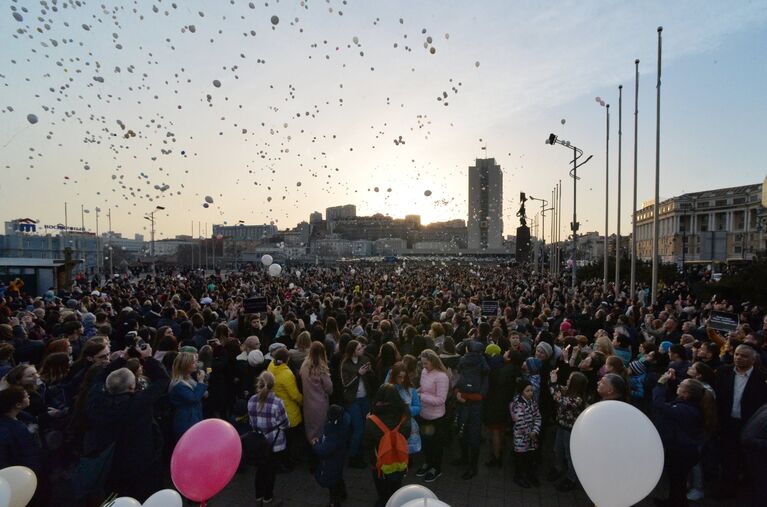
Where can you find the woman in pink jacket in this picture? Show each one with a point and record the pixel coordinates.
(434, 426)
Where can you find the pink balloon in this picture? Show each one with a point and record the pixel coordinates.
(205, 459)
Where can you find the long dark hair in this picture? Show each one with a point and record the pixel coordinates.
(388, 401)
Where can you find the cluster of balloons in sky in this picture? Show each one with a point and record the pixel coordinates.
(111, 108)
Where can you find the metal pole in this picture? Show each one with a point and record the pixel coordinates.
(607, 198)
(100, 254)
(655, 224)
(575, 219)
(620, 189)
(82, 217)
(559, 226)
(66, 219)
(111, 264)
(543, 234)
(634, 212)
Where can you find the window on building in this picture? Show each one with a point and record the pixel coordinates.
(703, 221)
(720, 202)
(720, 221)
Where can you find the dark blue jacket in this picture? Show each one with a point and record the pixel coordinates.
(18, 446)
(679, 422)
(331, 451)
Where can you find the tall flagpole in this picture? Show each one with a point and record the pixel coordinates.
(634, 210)
(607, 197)
(620, 189)
(656, 208)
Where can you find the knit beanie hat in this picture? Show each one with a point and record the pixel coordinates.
(492, 350)
(546, 348)
(637, 368)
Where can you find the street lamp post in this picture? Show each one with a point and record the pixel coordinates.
(150, 216)
(577, 153)
(543, 211)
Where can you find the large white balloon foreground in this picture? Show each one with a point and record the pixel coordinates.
(406, 494)
(604, 437)
(21, 484)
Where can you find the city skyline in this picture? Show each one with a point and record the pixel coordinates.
(327, 111)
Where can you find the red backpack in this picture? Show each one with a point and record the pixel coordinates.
(392, 453)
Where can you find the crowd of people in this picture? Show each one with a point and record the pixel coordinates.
(355, 366)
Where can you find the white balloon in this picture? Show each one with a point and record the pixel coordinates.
(23, 483)
(164, 498)
(407, 493)
(5, 493)
(625, 431)
(425, 502)
(267, 260)
(275, 270)
(125, 501)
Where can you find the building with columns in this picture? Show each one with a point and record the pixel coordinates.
(709, 226)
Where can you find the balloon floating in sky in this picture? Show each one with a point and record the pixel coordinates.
(427, 193)
(563, 121)
(205, 205)
(476, 64)
(275, 20)
(32, 118)
(208, 199)
(217, 83)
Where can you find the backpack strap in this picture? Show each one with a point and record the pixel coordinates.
(378, 422)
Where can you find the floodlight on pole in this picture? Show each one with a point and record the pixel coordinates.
(577, 153)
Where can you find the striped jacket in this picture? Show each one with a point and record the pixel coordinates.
(527, 420)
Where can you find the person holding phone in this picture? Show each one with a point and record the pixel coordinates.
(358, 380)
(187, 389)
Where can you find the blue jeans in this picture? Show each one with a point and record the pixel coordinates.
(358, 411)
(562, 458)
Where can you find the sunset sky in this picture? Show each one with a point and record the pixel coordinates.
(147, 104)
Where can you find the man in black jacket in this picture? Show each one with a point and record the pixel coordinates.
(741, 389)
(119, 415)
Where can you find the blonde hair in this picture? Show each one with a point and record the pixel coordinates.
(604, 345)
(303, 340)
(316, 362)
(434, 360)
(264, 386)
(181, 365)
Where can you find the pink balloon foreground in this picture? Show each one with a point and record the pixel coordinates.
(205, 459)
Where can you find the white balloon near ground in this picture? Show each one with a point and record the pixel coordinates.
(32, 118)
(425, 502)
(164, 498)
(266, 260)
(626, 431)
(125, 501)
(275, 270)
(5, 493)
(409, 493)
(22, 482)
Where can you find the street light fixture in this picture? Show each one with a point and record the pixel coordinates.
(577, 153)
(150, 216)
